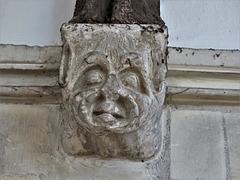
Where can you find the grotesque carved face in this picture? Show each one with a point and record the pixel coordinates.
(113, 94)
(115, 83)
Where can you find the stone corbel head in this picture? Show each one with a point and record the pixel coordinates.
(113, 79)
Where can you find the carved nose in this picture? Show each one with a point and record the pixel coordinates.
(111, 88)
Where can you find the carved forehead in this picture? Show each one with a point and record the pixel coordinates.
(122, 49)
(112, 51)
(110, 38)
(115, 43)
(94, 58)
(120, 37)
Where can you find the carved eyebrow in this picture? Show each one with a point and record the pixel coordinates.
(96, 57)
(95, 60)
(129, 60)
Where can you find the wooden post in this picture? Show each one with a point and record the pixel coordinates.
(118, 12)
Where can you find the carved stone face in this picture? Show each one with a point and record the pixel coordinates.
(113, 94)
(116, 82)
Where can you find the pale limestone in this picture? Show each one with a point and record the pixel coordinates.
(188, 70)
(22, 54)
(33, 117)
(114, 89)
(204, 57)
(232, 121)
(28, 78)
(30, 149)
(29, 139)
(197, 145)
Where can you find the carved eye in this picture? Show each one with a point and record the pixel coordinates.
(131, 80)
(93, 78)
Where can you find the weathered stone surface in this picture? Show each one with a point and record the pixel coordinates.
(25, 124)
(201, 81)
(197, 145)
(19, 178)
(28, 139)
(232, 121)
(96, 169)
(114, 88)
(28, 78)
(199, 97)
(29, 66)
(210, 58)
(30, 95)
(22, 54)
(30, 149)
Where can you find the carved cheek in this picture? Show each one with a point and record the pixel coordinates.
(88, 89)
(92, 97)
(142, 102)
(133, 84)
(93, 79)
(84, 100)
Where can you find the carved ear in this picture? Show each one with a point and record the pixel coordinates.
(67, 54)
(65, 63)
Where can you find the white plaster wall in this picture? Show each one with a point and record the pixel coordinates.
(192, 23)
(33, 22)
(203, 23)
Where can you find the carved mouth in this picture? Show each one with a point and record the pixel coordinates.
(109, 111)
(117, 116)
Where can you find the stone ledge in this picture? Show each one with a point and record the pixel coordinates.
(204, 57)
(30, 95)
(193, 96)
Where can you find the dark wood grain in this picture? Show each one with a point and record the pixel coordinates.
(117, 12)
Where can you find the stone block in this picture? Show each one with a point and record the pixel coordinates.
(197, 145)
(232, 121)
(30, 149)
(27, 139)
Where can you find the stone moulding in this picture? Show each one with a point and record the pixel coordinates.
(30, 75)
(113, 79)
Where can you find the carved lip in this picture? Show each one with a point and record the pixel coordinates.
(109, 110)
(105, 117)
